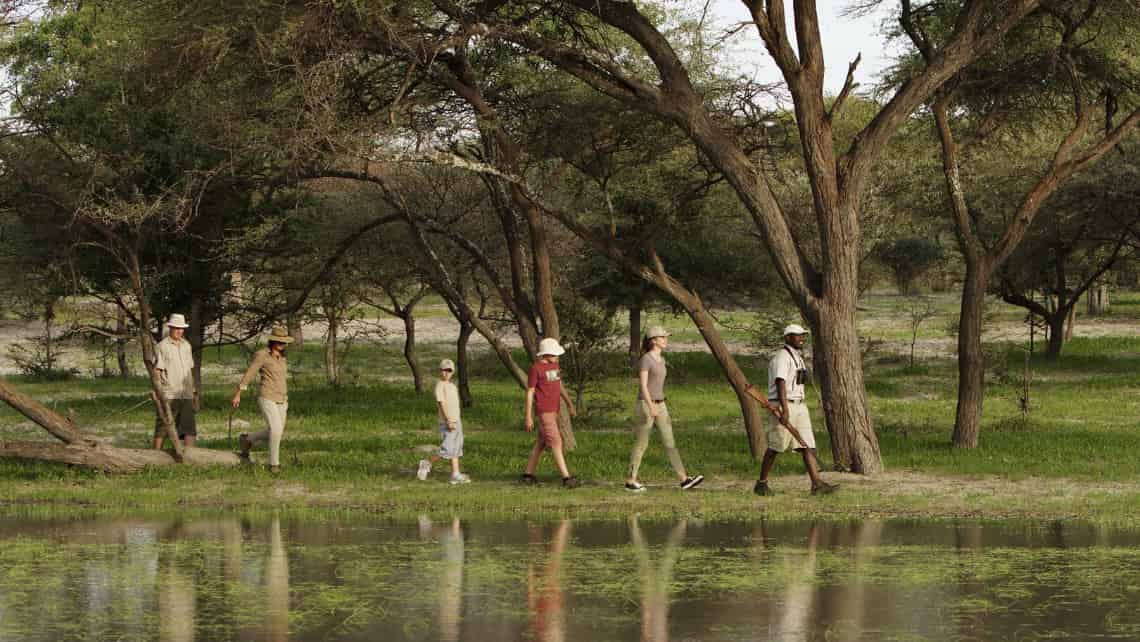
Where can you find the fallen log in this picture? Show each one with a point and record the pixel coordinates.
(111, 459)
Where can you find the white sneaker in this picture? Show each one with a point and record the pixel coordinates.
(425, 468)
(460, 479)
(634, 487)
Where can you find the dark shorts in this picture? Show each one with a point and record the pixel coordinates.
(184, 423)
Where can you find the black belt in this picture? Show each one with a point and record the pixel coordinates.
(661, 400)
(789, 400)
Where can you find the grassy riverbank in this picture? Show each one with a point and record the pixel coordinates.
(355, 447)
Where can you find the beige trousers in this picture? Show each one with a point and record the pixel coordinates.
(274, 414)
(643, 426)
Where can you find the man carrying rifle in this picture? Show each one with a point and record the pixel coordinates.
(790, 426)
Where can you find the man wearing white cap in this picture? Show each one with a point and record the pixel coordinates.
(544, 394)
(175, 365)
(787, 374)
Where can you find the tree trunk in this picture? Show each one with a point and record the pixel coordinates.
(49, 340)
(1098, 300)
(121, 343)
(854, 445)
(1057, 331)
(1070, 321)
(196, 335)
(110, 459)
(150, 358)
(462, 367)
(749, 410)
(410, 349)
(332, 367)
(60, 428)
(971, 361)
(634, 335)
(296, 329)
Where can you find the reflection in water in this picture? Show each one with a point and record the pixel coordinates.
(272, 579)
(544, 586)
(656, 580)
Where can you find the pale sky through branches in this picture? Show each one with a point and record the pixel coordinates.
(843, 39)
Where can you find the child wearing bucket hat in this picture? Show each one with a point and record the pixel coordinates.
(450, 426)
(273, 398)
(544, 394)
(651, 410)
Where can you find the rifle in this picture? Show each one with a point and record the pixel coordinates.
(751, 390)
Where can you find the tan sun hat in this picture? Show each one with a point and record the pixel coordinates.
(279, 334)
(550, 347)
(447, 364)
(655, 331)
(177, 321)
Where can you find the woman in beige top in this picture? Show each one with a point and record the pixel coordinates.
(273, 399)
(651, 410)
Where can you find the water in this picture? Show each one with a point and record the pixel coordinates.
(273, 578)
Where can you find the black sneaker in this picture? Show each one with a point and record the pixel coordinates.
(824, 488)
(570, 482)
(634, 487)
(528, 479)
(761, 488)
(692, 482)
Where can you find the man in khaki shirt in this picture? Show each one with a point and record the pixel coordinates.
(175, 365)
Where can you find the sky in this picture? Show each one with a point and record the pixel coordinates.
(843, 39)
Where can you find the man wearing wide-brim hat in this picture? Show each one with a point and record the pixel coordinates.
(175, 366)
(791, 429)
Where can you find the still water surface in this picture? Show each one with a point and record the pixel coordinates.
(275, 578)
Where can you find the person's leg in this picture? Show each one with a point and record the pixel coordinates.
(642, 426)
(811, 465)
(766, 464)
(274, 414)
(159, 433)
(185, 421)
(276, 434)
(454, 466)
(535, 455)
(665, 425)
(548, 423)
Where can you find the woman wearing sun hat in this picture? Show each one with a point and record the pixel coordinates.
(273, 399)
(651, 410)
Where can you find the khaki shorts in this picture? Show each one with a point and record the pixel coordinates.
(779, 439)
(183, 411)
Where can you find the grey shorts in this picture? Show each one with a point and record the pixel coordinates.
(451, 441)
(183, 410)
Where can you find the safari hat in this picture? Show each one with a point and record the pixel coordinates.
(177, 321)
(795, 328)
(279, 334)
(447, 364)
(655, 331)
(550, 347)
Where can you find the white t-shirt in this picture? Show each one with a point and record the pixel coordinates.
(783, 365)
(447, 394)
(176, 360)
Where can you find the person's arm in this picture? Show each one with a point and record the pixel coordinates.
(250, 373)
(643, 376)
(782, 394)
(529, 417)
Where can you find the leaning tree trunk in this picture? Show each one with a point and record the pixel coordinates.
(150, 358)
(854, 445)
(332, 366)
(409, 318)
(462, 367)
(971, 361)
(80, 449)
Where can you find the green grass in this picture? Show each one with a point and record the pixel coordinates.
(353, 446)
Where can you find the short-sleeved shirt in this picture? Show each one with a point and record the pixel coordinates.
(274, 373)
(546, 379)
(447, 398)
(783, 365)
(176, 361)
(657, 370)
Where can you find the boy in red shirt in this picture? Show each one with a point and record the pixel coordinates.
(544, 393)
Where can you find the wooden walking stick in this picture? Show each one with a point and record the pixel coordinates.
(751, 390)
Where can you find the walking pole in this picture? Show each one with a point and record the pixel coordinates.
(776, 413)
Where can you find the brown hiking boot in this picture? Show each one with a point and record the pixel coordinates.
(245, 445)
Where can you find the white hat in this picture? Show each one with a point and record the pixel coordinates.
(656, 331)
(447, 364)
(177, 321)
(795, 328)
(549, 346)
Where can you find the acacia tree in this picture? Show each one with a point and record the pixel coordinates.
(1059, 64)
(568, 36)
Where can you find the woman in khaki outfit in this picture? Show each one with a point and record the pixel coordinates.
(273, 397)
(651, 410)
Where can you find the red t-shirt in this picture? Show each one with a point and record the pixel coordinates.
(546, 379)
